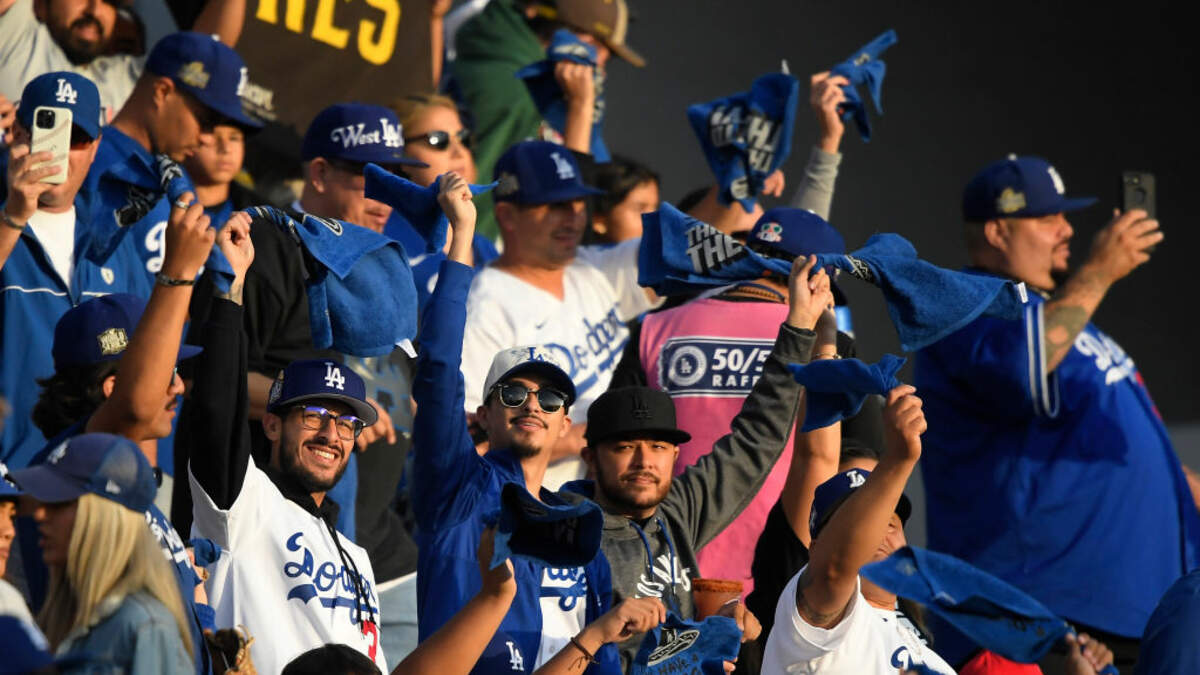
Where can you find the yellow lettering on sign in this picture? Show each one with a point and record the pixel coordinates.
(323, 28)
(268, 11)
(379, 51)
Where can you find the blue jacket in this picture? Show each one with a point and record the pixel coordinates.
(454, 490)
(32, 299)
(139, 637)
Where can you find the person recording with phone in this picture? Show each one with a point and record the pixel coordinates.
(43, 223)
(1046, 459)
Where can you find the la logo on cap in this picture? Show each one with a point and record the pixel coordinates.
(112, 341)
(562, 166)
(57, 454)
(66, 93)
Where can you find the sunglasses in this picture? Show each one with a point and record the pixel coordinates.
(440, 140)
(513, 395)
(315, 418)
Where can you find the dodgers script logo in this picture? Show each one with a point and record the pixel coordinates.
(711, 366)
(330, 583)
(1106, 354)
(66, 93)
(567, 584)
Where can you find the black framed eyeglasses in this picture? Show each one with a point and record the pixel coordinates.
(514, 395)
(440, 140)
(315, 417)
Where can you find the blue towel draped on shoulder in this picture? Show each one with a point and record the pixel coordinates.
(415, 205)
(995, 614)
(747, 136)
(864, 67)
(681, 646)
(361, 297)
(548, 95)
(836, 388)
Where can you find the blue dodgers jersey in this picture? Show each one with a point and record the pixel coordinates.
(1064, 484)
(32, 299)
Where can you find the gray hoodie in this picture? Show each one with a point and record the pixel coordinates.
(659, 558)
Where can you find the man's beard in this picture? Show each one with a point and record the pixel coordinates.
(290, 463)
(523, 451)
(617, 497)
(79, 52)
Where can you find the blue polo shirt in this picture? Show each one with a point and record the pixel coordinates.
(32, 299)
(1062, 483)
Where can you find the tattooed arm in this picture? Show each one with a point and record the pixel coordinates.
(1116, 251)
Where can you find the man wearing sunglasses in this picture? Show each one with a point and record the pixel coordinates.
(526, 398)
(42, 226)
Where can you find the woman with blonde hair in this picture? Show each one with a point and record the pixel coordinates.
(113, 596)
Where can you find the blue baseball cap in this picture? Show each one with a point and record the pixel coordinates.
(539, 172)
(795, 232)
(8, 489)
(553, 535)
(357, 132)
(323, 379)
(1018, 187)
(100, 330)
(61, 89)
(833, 492)
(101, 464)
(206, 68)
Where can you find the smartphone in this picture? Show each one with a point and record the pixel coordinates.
(52, 133)
(1137, 192)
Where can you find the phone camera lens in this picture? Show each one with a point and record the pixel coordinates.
(45, 119)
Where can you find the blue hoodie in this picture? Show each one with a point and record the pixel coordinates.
(454, 490)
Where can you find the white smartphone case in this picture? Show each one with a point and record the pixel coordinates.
(55, 140)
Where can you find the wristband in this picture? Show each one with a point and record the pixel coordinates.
(578, 645)
(164, 280)
(826, 355)
(8, 221)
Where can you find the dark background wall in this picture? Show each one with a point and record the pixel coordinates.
(1091, 89)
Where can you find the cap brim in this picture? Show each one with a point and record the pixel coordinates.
(624, 52)
(363, 410)
(45, 484)
(1076, 203)
(547, 370)
(567, 194)
(668, 434)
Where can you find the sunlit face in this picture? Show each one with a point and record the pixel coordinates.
(624, 222)
(633, 475)
(340, 193)
(453, 156)
(181, 122)
(893, 539)
(526, 429)
(549, 233)
(8, 530)
(55, 523)
(165, 418)
(1037, 249)
(79, 162)
(82, 28)
(219, 157)
(315, 458)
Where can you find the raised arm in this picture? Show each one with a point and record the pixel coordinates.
(218, 404)
(1116, 251)
(137, 397)
(223, 18)
(578, 83)
(633, 616)
(712, 492)
(815, 191)
(851, 537)
(24, 183)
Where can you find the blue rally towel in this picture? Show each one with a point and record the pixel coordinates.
(686, 647)
(548, 96)
(926, 302)
(747, 136)
(836, 388)
(361, 297)
(864, 67)
(148, 184)
(680, 255)
(992, 612)
(566, 535)
(418, 206)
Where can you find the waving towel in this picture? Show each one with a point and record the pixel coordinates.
(992, 612)
(361, 298)
(115, 209)
(836, 388)
(416, 205)
(927, 302)
(548, 95)
(564, 535)
(747, 136)
(864, 67)
(680, 646)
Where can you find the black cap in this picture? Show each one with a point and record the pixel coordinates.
(633, 412)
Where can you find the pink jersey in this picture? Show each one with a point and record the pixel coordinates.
(707, 355)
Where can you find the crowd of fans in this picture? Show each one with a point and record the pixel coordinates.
(565, 471)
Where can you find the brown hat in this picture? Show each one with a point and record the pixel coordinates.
(607, 20)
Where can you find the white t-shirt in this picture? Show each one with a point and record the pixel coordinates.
(867, 641)
(56, 233)
(280, 575)
(28, 50)
(564, 615)
(586, 328)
